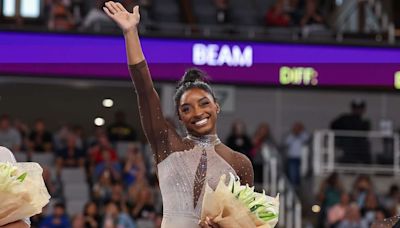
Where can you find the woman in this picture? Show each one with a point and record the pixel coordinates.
(7, 156)
(186, 164)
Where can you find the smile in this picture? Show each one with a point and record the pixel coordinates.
(201, 122)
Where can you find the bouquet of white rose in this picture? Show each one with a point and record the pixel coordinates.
(238, 206)
(22, 191)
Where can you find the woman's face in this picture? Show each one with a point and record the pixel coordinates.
(198, 112)
(92, 209)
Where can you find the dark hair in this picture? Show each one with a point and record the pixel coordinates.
(60, 205)
(193, 78)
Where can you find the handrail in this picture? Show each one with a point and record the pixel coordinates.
(328, 144)
(275, 181)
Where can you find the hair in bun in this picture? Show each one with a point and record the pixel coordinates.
(193, 75)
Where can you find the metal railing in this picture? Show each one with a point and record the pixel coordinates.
(275, 181)
(364, 16)
(369, 152)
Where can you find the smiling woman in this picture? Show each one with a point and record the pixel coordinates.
(184, 164)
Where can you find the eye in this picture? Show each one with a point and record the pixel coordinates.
(185, 109)
(204, 103)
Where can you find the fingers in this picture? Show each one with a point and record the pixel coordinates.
(107, 12)
(120, 7)
(203, 224)
(210, 223)
(112, 7)
(136, 10)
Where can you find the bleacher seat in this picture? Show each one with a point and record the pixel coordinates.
(73, 175)
(44, 159)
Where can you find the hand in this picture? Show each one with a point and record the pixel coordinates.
(125, 20)
(208, 224)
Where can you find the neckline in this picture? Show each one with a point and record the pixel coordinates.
(205, 140)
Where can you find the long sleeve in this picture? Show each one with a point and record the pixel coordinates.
(153, 122)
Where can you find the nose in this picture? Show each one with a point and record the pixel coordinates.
(198, 112)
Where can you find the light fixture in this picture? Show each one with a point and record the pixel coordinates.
(108, 103)
(316, 208)
(99, 121)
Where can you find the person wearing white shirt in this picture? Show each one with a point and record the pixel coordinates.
(294, 143)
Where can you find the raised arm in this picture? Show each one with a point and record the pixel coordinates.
(154, 125)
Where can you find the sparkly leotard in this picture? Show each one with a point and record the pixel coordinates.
(184, 164)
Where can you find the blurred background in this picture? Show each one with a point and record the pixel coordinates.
(308, 89)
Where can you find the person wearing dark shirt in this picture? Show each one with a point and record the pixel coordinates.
(356, 149)
(238, 139)
(120, 130)
(40, 139)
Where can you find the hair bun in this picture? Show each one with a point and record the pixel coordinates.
(193, 75)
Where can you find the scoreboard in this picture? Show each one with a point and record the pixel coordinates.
(229, 62)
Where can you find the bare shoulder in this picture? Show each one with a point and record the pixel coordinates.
(242, 166)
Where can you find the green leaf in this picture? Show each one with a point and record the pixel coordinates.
(22, 177)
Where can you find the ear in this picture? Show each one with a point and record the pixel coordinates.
(177, 114)
(218, 108)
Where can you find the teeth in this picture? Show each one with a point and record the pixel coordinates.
(201, 122)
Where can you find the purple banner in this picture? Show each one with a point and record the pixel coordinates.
(72, 55)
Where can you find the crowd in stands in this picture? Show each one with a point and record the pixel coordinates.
(67, 15)
(122, 180)
(360, 207)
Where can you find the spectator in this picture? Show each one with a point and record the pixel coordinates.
(71, 156)
(362, 186)
(355, 149)
(262, 139)
(329, 194)
(134, 165)
(114, 217)
(103, 188)
(40, 140)
(61, 137)
(277, 16)
(113, 166)
(392, 198)
(337, 212)
(53, 185)
(141, 199)
(311, 15)
(23, 130)
(120, 130)
(91, 215)
(371, 206)
(222, 11)
(58, 219)
(103, 147)
(9, 136)
(95, 17)
(294, 144)
(79, 137)
(353, 218)
(238, 139)
(78, 221)
(60, 17)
